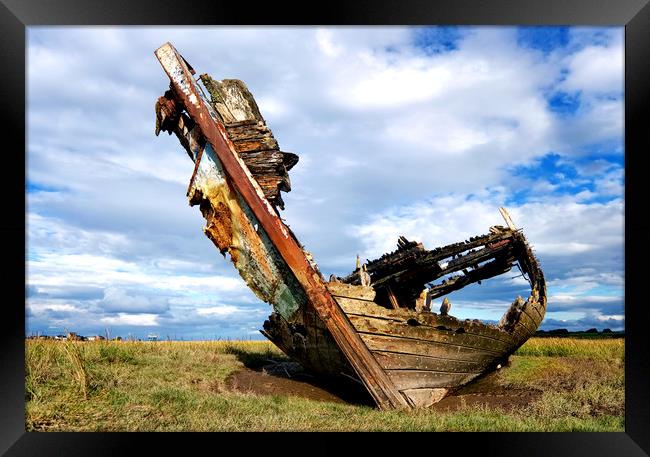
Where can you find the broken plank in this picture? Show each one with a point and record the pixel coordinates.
(507, 218)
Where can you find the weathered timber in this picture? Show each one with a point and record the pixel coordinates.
(236, 108)
(401, 361)
(507, 218)
(392, 298)
(338, 289)
(377, 326)
(360, 308)
(399, 277)
(187, 93)
(496, 267)
(308, 340)
(423, 398)
(400, 345)
(374, 325)
(411, 251)
(418, 379)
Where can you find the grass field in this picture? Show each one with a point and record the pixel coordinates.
(181, 386)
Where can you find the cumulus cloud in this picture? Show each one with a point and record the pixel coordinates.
(223, 310)
(394, 137)
(116, 299)
(138, 320)
(596, 69)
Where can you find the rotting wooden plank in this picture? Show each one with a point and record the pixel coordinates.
(418, 379)
(526, 318)
(236, 107)
(521, 332)
(339, 289)
(367, 309)
(530, 308)
(232, 228)
(427, 348)
(380, 326)
(538, 310)
(439, 342)
(294, 340)
(525, 325)
(396, 361)
(466, 328)
(423, 398)
(378, 383)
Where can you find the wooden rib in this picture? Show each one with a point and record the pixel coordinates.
(379, 385)
(392, 298)
(507, 218)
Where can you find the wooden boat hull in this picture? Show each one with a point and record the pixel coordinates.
(426, 355)
(404, 357)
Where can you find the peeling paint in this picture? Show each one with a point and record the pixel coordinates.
(231, 225)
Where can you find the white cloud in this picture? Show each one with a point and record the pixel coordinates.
(221, 311)
(596, 69)
(382, 130)
(555, 227)
(614, 317)
(40, 306)
(137, 320)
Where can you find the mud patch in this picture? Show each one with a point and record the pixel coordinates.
(487, 391)
(289, 379)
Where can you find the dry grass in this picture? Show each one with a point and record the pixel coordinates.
(180, 386)
(613, 348)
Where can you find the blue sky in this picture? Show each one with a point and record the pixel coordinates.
(415, 131)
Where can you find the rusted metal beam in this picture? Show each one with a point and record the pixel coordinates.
(375, 379)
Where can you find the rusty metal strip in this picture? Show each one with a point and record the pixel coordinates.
(375, 379)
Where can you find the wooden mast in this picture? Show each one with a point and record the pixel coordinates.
(364, 363)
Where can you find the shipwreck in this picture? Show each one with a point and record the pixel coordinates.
(376, 324)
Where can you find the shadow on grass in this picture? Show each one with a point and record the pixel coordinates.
(269, 373)
(255, 359)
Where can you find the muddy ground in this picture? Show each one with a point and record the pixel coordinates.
(288, 378)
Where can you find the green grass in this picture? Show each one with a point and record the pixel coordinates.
(604, 348)
(180, 386)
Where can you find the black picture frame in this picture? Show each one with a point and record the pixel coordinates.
(16, 15)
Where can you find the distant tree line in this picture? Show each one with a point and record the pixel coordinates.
(566, 332)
